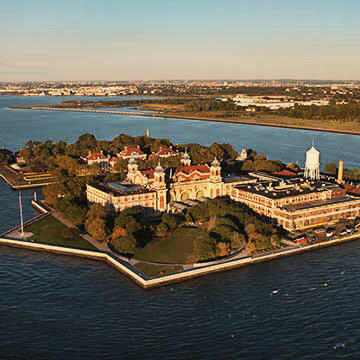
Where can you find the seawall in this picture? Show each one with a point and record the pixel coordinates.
(147, 282)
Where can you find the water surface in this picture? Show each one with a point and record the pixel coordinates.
(58, 307)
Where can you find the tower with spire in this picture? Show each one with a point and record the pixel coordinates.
(186, 160)
(215, 171)
(132, 169)
(215, 179)
(159, 185)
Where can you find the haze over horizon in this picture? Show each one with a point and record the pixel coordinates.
(163, 40)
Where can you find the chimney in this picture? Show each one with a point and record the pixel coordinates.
(340, 172)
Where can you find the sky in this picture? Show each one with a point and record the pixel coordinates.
(179, 39)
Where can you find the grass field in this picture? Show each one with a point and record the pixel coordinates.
(177, 249)
(51, 231)
(153, 270)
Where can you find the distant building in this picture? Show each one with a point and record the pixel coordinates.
(243, 155)
(132, 152)
(164, 152)
(97, 158)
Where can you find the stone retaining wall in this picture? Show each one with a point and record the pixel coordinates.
(160, 280)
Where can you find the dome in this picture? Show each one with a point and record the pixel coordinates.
(159, 168)
(215, 162)
(186, 155)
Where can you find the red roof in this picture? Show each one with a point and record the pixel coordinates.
(148, 173)
(352, 188)
(131, 150)
(166, 151)
(96, 155)
(284, 173)
(192, 168)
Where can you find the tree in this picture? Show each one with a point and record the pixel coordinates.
(71, 211)
(237, 240)
(6, 156)
(97, 210)
(205, 248)
(97, 228)
(250, 247)
(162, 230)
(118, 232)
(250, 229)
(331, 168)
(54, 192)
(223, 248)
(85, 143)
(124, 244)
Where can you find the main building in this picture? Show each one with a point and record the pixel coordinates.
(297, 203)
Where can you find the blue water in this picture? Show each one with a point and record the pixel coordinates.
(57, 307)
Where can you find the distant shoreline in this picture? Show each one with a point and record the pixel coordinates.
(188, 117)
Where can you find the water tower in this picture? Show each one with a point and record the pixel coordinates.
(312, 164)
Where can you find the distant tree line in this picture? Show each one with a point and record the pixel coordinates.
(349, 174)
(333, 111)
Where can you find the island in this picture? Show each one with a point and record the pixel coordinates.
(165, 212)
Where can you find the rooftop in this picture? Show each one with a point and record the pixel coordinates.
(121, 188)
(230, 178)
(318, 203)
(96, 155)
(192, 168)
(286, 188)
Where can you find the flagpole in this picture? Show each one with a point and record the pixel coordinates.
(21, 215)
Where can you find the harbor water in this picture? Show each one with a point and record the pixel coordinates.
(58, 307)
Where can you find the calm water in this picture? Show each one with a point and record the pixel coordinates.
(57, 307)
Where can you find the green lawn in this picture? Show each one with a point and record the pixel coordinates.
(51, 231)
(153, 270)
(177, 249)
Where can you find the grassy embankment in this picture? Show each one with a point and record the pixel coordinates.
(178, 248)
(154, 270)
(51, 231)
